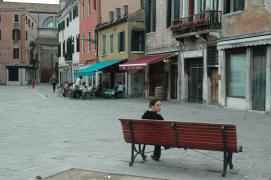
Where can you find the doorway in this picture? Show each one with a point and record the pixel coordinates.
(194, 69)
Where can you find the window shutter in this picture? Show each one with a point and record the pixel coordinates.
(147, 14)
(177, 9)
(123, 41)
(18, 34)
(154, 15)
(13, 34)
(169, 7)
(133, 41)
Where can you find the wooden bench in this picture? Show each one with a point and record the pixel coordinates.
(187, 135)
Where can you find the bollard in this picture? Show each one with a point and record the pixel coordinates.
(33, 83)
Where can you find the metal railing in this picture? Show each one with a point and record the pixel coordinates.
(203, 21)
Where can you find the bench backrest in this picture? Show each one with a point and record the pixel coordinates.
(192, 135)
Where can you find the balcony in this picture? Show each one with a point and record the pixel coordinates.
(200, 22)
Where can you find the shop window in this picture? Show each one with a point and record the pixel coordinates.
(13, 74)
(236, 65)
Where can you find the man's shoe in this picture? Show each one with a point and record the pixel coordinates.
(154, 158)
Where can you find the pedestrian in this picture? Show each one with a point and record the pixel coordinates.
(53, 81)
(154, 113)
(78, 82)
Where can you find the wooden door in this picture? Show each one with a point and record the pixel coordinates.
(214, 86)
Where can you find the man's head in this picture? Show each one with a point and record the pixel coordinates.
(80, 77)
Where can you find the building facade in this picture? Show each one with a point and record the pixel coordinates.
(18, 34)
(224, 59)
(69, 41)
(89, 19)
(245, 56)
(44, 16)
(122, 39)
(163, 73)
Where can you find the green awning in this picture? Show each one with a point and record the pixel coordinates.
(95, 67)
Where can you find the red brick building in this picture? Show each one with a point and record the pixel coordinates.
(89, 18)
(18, 33)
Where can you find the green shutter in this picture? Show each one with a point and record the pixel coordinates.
(176, 9)
(169, 7)
(154, 15)
(147, 15)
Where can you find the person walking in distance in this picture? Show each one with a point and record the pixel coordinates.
(53, 81)
(154, 113)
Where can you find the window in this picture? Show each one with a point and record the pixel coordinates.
(236, 74)
(104, 44)
(13, 74)
(16, 18)
(89, 7)
(68, 21)
(16, 53)
(49, 22)
(28, 22)
(142, 3)
(95, 41)
(61, 26)
(111, 43)
(64, 48)
(26, 35)
(150, 13)
(83, 43)
(25, 19)
(78, 43)
(89, 41)
(75, 11)
(94, 4)
(0, 34)
(32, 25)
(83, 9)
(176, 9)
(16, 35)
(233, 6)
(138, 41)
(121, 41)
(173, 11)
(59, 50)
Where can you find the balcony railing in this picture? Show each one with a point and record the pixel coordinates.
(199, 22)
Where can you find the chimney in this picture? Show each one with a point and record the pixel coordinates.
(125, 10)
(118, 13)
(111, 16)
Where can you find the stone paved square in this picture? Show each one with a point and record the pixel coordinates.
(42, 134)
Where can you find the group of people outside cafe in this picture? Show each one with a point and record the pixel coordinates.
(81, 89)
